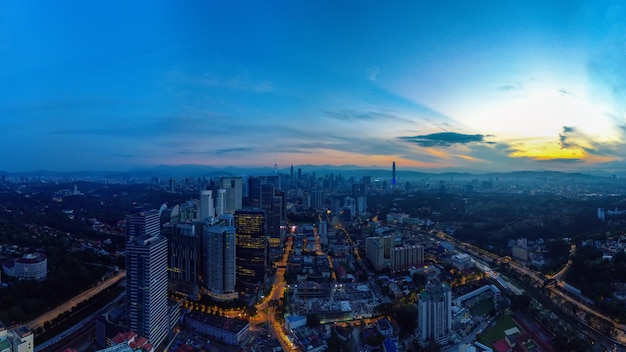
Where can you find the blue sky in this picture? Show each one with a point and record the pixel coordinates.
(453, 85)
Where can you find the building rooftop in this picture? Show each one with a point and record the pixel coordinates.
(4, 345)
(23, 331)
(229, 324)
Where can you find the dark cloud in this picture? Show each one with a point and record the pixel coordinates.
(217, 151)
(232, 150)
(444, 139)
(351, 115)
(564, 137)
(560, 160)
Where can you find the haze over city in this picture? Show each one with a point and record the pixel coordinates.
(487, 86)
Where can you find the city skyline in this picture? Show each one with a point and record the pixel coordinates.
(490, 86)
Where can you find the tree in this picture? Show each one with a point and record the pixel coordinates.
(406, 317)
(421, 278)
(313, 320)
(520, 302)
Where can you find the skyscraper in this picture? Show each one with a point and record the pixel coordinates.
(184, 258)
(251, 263)
(146, 284)
(393, 173)
(219, 249)
(234, 193)
(142, 223)
(435, 313)
(221, 202)
(206, 204)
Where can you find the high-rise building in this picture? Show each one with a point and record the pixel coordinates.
(435, 313)
(219, 250)
(251, 263)
(206, 204)
(361, 205)
(349, 205)
(403, 258)
(318, 199)
(142, 223)
(184, 258)
(146, 278)
(374, 250)
(393, 173)
(233, 196)
(221, 202)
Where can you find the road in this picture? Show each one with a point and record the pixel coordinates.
(539, 279)
(81, 297)
(278, 292)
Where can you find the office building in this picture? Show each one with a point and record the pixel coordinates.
(142, 223)
(233, 195)
(146, 278)
(406, 257)
(207, 208)
(251, 249)
(318, 199)
(393, 173)
(349, 207)
(361, 205)
(220, 206)
(184, 259)
(435, 313)
(219, 269)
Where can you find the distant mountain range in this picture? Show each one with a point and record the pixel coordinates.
(194, 171)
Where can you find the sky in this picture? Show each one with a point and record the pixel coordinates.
(432, 85)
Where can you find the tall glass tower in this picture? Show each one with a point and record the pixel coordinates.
(251, 249)
(219, 262)
(146, 277)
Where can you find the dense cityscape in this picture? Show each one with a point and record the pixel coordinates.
(305, 261)
(341, 176)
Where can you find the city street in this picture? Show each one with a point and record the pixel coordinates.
(278, 291)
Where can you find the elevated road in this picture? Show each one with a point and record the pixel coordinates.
(81, 297)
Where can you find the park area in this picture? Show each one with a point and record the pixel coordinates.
(495, 332)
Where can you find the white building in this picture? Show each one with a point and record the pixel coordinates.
(207, 208)
(462, 261)
(33, 266)
(146, 280)
(18, 340)
(435, 313)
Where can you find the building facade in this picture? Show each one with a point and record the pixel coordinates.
(147, 279)
(21, 339)
(404, 258)
(229, 331)
(251, 249)
(185, 255)
(33, 266)
(219, 269)
(435, 313)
